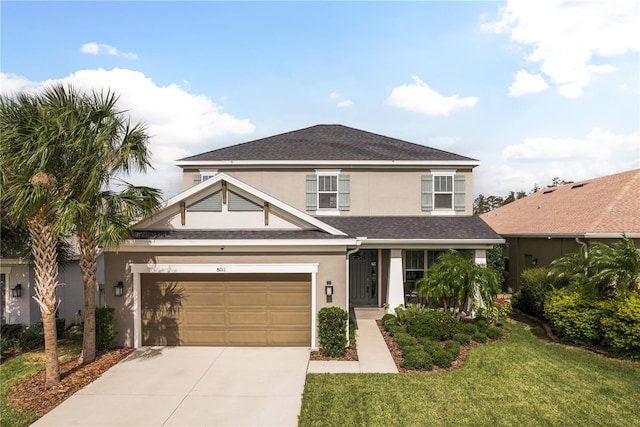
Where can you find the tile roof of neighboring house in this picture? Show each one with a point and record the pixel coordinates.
(610, 204)
(414, 227)
(327, 142)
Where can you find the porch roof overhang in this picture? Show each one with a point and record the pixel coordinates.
(429, 243)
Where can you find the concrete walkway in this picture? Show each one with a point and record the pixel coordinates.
(373, 353)
(192, 386)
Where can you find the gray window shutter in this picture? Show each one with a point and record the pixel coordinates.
(312, 190)
(458, 192)
(196, 179)
(212, 203)
(344, 198)
(237, 203)
(427, 193)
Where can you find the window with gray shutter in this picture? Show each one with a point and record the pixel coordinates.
(344, 198)
(238, 203)
(197, 179)
(427, 193)
(312, 190)
(459, 192)
(212, 203)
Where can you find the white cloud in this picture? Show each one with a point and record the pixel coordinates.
(344, 103)
(420, 98)
(526, 83)
(538, 160)
(564, 36)
(94, 48)
(341, 103)
(180, 123)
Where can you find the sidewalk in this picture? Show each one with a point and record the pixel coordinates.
(373, 354)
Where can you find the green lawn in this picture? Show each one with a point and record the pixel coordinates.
(19, 367)
(523, 381)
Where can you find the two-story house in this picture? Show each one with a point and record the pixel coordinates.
(268, 232)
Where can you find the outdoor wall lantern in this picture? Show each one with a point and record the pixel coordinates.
(328, 290)
(534, 262)
(16, 292)
(119, 289)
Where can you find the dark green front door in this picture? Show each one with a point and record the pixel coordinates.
(363, 278)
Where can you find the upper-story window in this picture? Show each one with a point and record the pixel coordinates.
(443, 192)
(202, 176)
(327, 192)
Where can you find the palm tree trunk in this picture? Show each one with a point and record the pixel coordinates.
(46, 273)
(88, 267)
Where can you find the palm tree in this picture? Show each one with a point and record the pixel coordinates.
(605, 271)
(454, 279)
(102, 144)
(30, 158)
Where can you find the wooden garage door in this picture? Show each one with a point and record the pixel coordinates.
(226, 309)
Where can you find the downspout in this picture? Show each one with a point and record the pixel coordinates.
(352, 251)
(584, 245)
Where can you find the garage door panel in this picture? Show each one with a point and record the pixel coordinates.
(289, 299)
(204, 317)
(226, 309)
(248, 298)
(291, 318)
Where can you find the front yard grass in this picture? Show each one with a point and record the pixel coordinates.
(20, 367)
(525, 380)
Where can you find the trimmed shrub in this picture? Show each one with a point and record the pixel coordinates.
(482, 325)
(432, 347)
(405, 341)
(620, 325)
(332, 331)
(462, 339)
(105, 328)
(453, 347)
(535, 285)
(442, 358)
(32, 337)
(395, 330)
(494, 333)
(416, 359)
(574, 318)
(390, 321)
(435, 324)
(469, 328)
(61, 325)
(480, 337)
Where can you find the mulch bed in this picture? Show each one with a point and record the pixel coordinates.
(351, 356)
(396, 353)
(32, 395)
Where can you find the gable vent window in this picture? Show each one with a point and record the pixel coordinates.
(238, 203)
(211, 203)
(327, 192)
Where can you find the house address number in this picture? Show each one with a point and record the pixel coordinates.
(220, 269)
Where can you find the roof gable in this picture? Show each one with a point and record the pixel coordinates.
(204, 197)
(599, 206)
(326, 142)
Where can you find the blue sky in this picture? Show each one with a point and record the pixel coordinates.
(534, 90)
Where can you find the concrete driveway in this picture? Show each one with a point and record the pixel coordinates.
(192, 386)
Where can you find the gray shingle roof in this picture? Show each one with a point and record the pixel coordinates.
(413, 227)
(327, 142)
(231, 234)
(372, 227)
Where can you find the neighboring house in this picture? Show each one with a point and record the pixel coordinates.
(558, 220)
(268, 232)
(17, 288)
